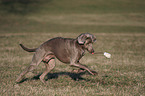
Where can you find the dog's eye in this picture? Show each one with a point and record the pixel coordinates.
(88, 43)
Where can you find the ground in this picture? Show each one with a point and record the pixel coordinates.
(120, 30)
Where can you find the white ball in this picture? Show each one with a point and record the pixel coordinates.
(107, 55)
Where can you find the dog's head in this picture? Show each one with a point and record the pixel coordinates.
(87, 41)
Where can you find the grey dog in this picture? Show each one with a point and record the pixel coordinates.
(66, 50)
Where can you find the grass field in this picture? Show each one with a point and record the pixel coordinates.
(119, 26)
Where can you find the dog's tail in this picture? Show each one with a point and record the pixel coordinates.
(27, 49)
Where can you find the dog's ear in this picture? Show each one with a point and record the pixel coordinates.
(81, 38)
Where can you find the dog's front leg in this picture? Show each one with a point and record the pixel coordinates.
(83, 67)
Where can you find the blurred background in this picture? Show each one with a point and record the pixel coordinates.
(23, 16)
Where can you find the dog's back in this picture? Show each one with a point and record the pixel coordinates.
(62, 48)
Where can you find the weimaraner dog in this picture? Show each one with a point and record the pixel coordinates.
(66, 50)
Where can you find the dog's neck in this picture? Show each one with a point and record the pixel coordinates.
(81, 47)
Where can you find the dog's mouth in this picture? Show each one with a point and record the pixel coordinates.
(91, 51)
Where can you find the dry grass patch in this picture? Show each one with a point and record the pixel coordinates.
(123, 74)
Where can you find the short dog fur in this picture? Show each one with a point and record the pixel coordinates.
(66, 50)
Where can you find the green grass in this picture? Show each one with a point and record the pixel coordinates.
(120, 30)
(123, 74)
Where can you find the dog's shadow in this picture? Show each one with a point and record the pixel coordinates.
(73, 76)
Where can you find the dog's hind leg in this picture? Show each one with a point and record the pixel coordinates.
(37, 58)
(28, 69)
(49, 66)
